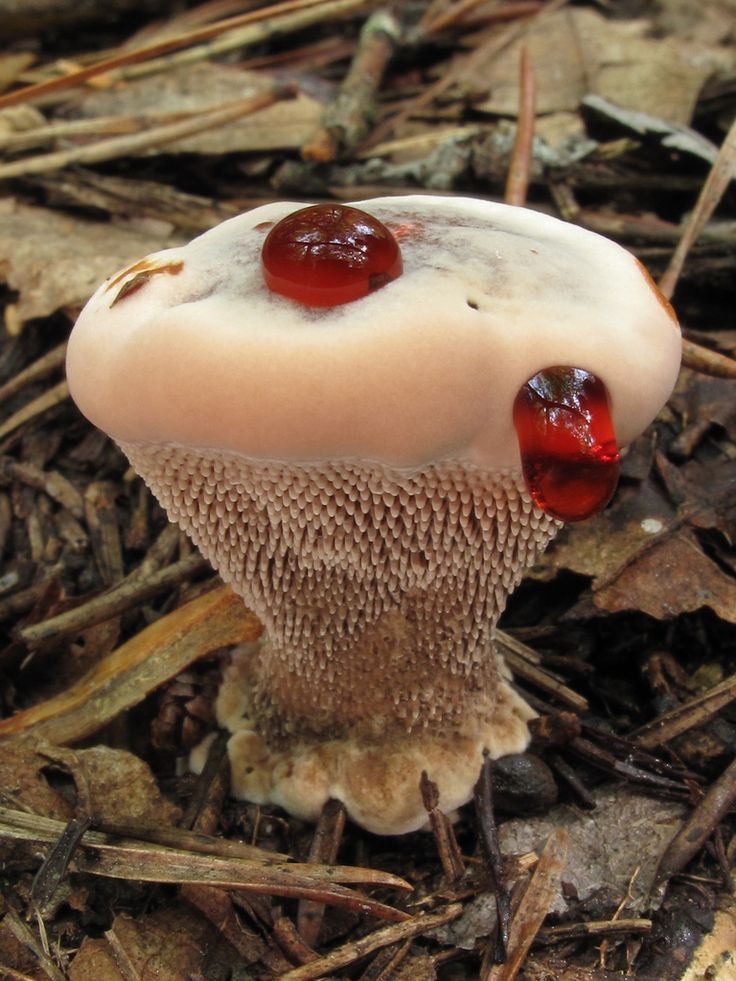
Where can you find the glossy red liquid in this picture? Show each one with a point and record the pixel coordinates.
(569, 456)
(329, 254)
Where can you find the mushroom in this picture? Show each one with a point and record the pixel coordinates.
(373, 467)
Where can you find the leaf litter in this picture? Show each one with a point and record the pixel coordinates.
(144, 869)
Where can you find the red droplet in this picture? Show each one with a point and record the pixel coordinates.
(329, 254)
(569, 456)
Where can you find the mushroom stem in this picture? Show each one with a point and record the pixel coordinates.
(400, 575)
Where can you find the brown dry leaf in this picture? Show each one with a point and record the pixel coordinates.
(23, 784)
(94, 961)
(578, 52)
(56, 261)
(196, 88)
(609, 541)
(114, 785)
(675, 576)
(699, 399)
(169, 944)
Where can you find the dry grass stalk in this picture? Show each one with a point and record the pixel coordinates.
(116, 857)
(136, 143)
(322, 10)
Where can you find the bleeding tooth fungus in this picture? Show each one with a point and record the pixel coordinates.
(371, 442)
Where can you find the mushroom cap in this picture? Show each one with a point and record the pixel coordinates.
(190, 347)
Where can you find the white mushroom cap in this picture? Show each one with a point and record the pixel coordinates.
(424, 369)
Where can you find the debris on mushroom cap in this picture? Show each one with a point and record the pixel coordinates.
(354, 472)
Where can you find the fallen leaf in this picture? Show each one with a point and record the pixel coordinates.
(56, 261)
(95, 960)
(674, 576)
(577, 52)
(114, 785)
(169, 944)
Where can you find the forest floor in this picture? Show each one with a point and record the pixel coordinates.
(608, 849)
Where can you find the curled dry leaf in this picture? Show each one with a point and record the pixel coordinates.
(35, 258)
(168, 944)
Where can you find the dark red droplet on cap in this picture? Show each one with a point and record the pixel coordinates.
(569, 456)
(329, 254)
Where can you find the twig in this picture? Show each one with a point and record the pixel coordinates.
(127, 858)
(594, 929)
(384, 937)
(521, 660)
(40, 368)
(483, 797)
(607, 762)
(272, 11)
(52, 483)
(517, 182)
(451, 858)
(127, 595)
(707, 361)
(290, 942)
(701, 824)
(564, 770)
(248, 36)
(694, 713)
(203, 810)
(36, 407)
(324, 847)
(54, 867)
(433, 24)
(202, 816)
(720, 176)
(136, 143)
(463, 66)
(123, 678)
(346, 120)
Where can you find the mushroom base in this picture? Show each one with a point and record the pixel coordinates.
(376, 778)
